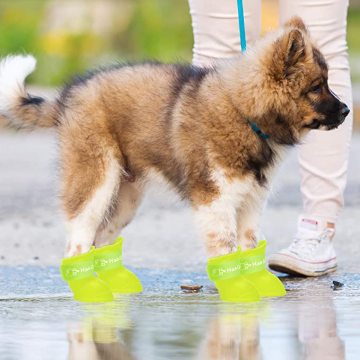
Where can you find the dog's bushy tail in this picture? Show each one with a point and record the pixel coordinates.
(16, 105)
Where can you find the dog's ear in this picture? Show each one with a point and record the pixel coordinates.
(289, 52)
(297, 23)
(295, 47)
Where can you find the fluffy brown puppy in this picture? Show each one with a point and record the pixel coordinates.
(214, 134)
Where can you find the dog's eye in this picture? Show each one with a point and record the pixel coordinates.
(315, 89)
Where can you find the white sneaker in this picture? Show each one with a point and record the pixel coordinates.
(311, 252)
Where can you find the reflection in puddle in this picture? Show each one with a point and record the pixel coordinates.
(235, 331)
(233, 336)
(317, 329)
(312, 322)
(96, 336)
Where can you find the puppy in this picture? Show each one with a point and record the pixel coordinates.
(214, 134)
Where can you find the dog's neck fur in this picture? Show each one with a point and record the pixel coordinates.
(244, 97)
(247, 94)
(229, 122)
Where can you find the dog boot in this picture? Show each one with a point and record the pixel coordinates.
(109, 267)
(226, 272)
(78, 272)
(254, 270)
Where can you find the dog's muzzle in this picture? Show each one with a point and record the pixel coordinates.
(343, 113)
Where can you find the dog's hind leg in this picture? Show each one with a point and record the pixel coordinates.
(92, 169)
(128, 201)
(108, 257)
(94, 210)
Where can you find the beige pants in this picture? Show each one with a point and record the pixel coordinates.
(323, 156)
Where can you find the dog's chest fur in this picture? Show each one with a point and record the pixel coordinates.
(222, 185)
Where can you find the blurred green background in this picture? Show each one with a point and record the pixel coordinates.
(69, 36)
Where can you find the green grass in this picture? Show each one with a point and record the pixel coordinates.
(353, 38)
(20, 26)
(353, 35)
(156, 29)
(159, 29)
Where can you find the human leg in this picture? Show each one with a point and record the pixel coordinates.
(216, 29)
(323, 157)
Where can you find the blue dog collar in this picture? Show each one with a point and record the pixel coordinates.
(258, 131)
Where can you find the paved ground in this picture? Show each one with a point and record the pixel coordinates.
(162, 235)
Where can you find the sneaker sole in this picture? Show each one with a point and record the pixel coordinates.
(291, 268)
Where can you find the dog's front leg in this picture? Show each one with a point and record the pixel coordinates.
(217, 225)
(247, 217)
(247, 228)
(252, 253)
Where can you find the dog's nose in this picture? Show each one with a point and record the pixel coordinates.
(345, 111)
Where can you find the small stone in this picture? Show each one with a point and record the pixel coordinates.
(337, 285)
(36, 258)
(191, 288)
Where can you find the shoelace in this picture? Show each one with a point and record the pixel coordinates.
(306, 242)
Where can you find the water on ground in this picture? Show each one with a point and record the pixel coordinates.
(40, 320)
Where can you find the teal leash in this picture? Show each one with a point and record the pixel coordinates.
(258, 131)
(241, 25)
(242, 32)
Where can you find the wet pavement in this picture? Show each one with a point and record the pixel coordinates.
(162, 234)
(39, 319)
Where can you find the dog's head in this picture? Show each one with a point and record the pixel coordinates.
(305, 73)
(290, 90)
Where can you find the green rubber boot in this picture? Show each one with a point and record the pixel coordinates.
(78, 272)
(109, 267)
(226, 272)
(253, 263)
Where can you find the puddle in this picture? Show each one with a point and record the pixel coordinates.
(39, 320)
